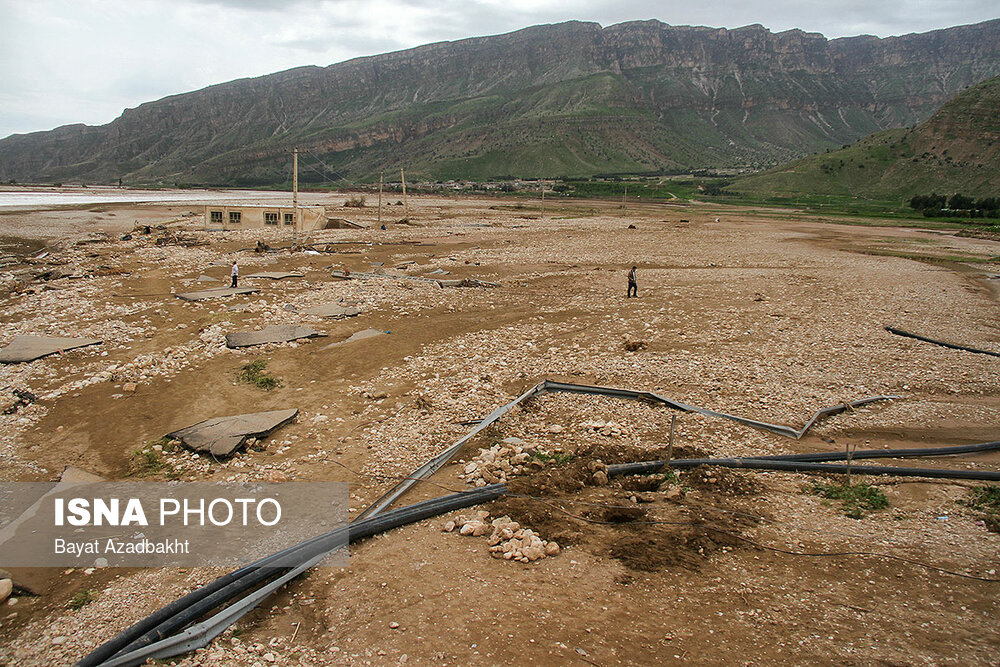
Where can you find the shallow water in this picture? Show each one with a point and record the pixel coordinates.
(82, 196)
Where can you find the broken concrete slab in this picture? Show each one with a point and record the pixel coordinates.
(276, 333)
(207, 279)
(29, 348)
(275, 275)
(332, 310)
(72, 474)
(215, 293)
(356, 336)
(220, 436)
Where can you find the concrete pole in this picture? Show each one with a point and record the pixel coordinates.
(380, 199)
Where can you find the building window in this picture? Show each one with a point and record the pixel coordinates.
(234, 217)
(270, 218)
(216, 217)
(289, 218)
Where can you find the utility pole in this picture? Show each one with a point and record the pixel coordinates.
(380, 199)
(295, 194)
(624, 195)
(542, 186)
(406, 204)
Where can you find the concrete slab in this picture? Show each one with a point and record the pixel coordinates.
(332, 310)
(221, 435)
(275, 275)
(215, 293)
(276, 333)
(29, 348)
(79, 476)
(356, 336)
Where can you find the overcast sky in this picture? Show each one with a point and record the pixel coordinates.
(73, 61)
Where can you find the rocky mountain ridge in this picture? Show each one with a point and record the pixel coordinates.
(566, 99)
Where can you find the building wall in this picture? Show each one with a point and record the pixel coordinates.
(264, 217)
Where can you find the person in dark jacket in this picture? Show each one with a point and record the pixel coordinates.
(633, 286)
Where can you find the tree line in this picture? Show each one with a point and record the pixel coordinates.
(956, 206)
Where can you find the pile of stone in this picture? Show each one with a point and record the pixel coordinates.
(503, 460)
(507, 539)
(608, 429)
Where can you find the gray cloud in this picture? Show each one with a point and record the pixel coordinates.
(67, 62)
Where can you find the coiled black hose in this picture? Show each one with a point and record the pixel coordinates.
(189, 608)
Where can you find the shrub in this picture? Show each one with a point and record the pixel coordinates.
(355, 202)
(855, 498)
(82, 599)
(253, 373)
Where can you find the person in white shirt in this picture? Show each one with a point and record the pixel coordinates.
(235, 273)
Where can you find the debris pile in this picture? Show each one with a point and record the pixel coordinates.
(501, 461)
(507, 539)
(610, 429)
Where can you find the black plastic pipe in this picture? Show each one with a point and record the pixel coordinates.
(884, 453)
(964, 348)
(189, 608)
(649, 467)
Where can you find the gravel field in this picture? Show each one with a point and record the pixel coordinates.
(769, 315)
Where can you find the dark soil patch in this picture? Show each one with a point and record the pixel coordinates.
(640, 482)
(622, 514)
(654, 548)
(723, 481)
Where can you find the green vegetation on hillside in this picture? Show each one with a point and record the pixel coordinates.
(957, 150)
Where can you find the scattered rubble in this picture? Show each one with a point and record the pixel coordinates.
(507, 539)
(500, 462)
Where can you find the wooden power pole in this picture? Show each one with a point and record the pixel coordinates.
(406, 204)
(295, 195)
(380, 199)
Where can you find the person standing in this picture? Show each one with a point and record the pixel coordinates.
(633, 286)
(235, 273)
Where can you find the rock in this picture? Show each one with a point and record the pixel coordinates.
(600, 478)
(533, 553)
(480, 529)
(555, 428)
(449, 526)
(61, 639)
(394, 625)
(467, 529)
(130, 387)
(6, 588)
(268, 657)
(552, 549)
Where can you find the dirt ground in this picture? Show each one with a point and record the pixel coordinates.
(770, 315)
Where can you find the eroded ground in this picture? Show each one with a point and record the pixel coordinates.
(763, 315)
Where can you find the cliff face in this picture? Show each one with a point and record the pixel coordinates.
(956, 150)
(570, 98)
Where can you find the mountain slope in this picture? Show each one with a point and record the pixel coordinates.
(564, 99)
(955, 150)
